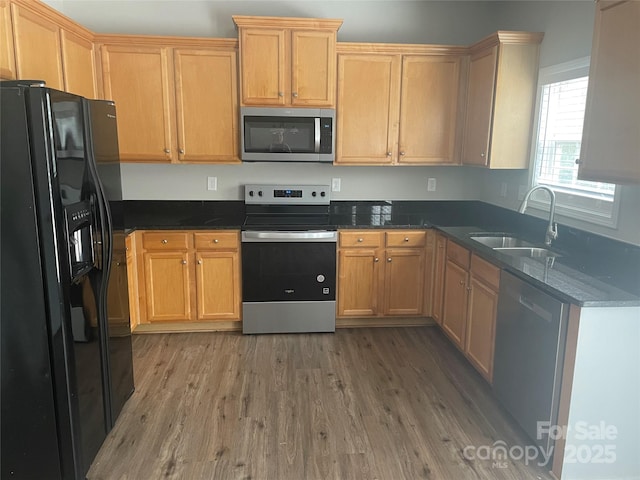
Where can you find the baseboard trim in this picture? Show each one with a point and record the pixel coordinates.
(178, 327)
(369, 322)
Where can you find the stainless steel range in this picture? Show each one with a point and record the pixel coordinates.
(288, 260)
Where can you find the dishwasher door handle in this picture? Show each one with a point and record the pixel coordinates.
(535, 308)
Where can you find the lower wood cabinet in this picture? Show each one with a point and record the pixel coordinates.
(381, 273)
(184, 276)
(470, 304)
(437, 289)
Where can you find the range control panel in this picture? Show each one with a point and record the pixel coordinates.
(258, 194)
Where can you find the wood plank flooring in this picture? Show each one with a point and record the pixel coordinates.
(385, 403)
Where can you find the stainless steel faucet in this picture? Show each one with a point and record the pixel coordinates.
(552, 228)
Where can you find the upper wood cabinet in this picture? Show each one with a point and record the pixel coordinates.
(50, 47)
(78, 60)
(611, 138)
(7, 56)
(406, 95)
(177, 101)
(139, 80)
(287, 61)
(503, 75)
(37, 47)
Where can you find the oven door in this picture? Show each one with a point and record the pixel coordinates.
(289, 266)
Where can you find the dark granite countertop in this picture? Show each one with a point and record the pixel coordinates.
(608, 278)
(563, 276)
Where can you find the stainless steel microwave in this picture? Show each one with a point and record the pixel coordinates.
(287, 134)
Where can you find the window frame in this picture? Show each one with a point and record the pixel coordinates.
(569, 206)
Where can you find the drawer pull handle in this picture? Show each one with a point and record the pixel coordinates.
(406, 239)
(376, 259)
(389, 259)
(216, 241)
(361, 240)
(184, 262)
(165, 241)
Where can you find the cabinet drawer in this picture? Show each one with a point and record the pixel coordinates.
(165, 241)
(458, 254)
(216, 240)
(361, 239)
(486, 271)
(406, 239)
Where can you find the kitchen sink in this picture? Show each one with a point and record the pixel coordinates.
(531, 252)
(500, 241)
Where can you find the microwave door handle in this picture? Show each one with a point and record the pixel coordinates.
(316, 122)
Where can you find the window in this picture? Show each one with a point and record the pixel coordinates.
(562, 95)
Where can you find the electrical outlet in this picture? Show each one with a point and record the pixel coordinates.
(212, 183)
(431, 184)
(336, 184)
(503, 189)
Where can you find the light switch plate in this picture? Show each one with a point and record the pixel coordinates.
(336, 184)
(212, 183)
(431, 184)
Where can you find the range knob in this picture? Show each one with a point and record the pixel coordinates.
(259, 193)
(323, 194)
(313, 194)
(251, 193)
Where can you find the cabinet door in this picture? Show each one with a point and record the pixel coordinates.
(7, 57)
(218, 285)
(611, 137)
(482, 73)
(481, 325)
(117, 294)
(428, 108)
(206, 105)
(167, 286)
(404, 281)
(368, 109)
(137, 79)
(454, 315)
(438, 277)
(264, 66)
(358, 282)
(78, 64)
(313, 68)
(37, 44)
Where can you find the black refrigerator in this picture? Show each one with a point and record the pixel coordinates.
(65, 340)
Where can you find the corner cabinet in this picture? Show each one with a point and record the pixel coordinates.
(611, 138)
(287, 61)
(470, 306)
(381, 273)
(177, 102)
(408, 98)
(503, 74)
(185, 276)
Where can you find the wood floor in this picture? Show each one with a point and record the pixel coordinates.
(386, 403)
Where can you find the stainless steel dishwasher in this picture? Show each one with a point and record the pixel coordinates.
(530, 342)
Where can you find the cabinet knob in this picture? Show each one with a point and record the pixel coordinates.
(199, 261)
(482, 154)
(461, 282)
(406, 239)
(388, 154)
(216, 241)
(361, 240)
(281, 94)
(181, 151)
(376, 259)
(389, 259)
(295, 94)
(165, 241)
(166, 150)
(117, 264)
(578, 161)
(468, 289)
(184, 262)
(402, 154)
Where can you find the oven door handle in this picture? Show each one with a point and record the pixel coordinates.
(295, 236)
